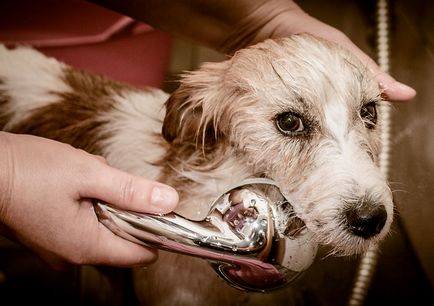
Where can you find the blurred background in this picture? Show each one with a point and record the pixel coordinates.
(405, 270)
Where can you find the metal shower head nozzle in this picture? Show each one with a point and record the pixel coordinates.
(239, 236)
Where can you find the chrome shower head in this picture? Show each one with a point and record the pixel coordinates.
(239, 237)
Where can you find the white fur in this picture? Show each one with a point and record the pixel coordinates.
(30, 79)
(134, 121)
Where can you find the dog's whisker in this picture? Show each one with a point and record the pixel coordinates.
(400, 190)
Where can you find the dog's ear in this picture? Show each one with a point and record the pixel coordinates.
(195, 112)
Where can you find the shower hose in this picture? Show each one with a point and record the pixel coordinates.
(368, 262)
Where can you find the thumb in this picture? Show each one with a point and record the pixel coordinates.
(129, 192)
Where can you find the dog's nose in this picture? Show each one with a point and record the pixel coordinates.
(366, 221)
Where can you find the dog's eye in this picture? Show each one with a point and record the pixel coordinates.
(369, 115)
(289, 123)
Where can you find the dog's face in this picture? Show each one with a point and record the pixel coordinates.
(302, 112)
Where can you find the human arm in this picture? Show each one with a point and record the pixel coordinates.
(46, 189)
(228, 25)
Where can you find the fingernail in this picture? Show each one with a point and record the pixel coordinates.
(163, 198)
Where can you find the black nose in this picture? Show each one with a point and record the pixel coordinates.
(367, 220)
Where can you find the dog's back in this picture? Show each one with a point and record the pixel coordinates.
(43, 97)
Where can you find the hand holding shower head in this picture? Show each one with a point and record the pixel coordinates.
(239, 236)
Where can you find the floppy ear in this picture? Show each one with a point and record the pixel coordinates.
(195, 112)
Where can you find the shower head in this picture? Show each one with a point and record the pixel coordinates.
(240, 236)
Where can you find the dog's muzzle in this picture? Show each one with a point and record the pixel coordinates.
(238, 237)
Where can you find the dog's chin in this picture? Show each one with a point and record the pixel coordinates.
(336, 240)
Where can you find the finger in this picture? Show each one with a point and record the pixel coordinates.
(391, 89)
(105, 248)
(394, 90)
(113, 250)
(98, 245)
(128, 192)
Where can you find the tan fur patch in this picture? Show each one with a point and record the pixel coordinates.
(75, 118)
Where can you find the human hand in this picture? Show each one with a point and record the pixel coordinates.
(228, 25)
(294, 20)
(45, 192)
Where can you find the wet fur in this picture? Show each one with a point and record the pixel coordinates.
(218, 128)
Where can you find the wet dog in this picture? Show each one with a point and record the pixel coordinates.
(300, 111)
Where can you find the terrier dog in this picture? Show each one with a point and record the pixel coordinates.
(299, 110)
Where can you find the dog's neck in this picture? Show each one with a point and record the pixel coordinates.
(200, 178)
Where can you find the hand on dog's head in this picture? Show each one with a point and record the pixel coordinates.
(298, 110)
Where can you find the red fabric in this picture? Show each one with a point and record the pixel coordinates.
(88, 37)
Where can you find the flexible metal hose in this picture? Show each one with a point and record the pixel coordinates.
(369, 260)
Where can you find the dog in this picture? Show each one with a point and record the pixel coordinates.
(300, 110)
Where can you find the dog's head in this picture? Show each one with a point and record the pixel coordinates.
(302, 112)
